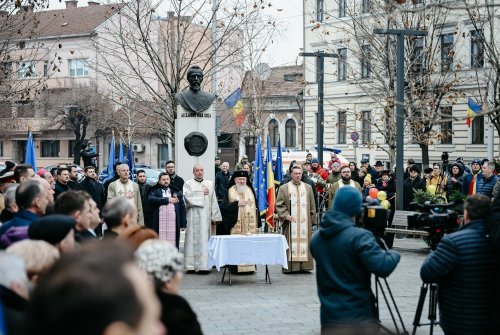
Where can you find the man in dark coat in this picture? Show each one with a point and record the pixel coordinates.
(164, 193)
(222, 181)
(95, 189)
(144, 189)
(411, 184)
(346, 256)
(175, 180)
(62, 182)
(463, 265)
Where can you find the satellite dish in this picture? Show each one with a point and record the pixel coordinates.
(263, 71)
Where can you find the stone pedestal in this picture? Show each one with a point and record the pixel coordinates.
(195, 126)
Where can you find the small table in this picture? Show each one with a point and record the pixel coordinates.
(264, 249)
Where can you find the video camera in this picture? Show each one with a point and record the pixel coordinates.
(438, 221)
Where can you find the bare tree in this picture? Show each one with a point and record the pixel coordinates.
(372, 68)
(80, 109)
(145, 56)
(21, 52)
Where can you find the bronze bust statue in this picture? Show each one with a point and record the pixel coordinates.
(194, 99)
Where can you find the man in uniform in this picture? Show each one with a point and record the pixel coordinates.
(296, 209)
(201, 210)
(124, 187)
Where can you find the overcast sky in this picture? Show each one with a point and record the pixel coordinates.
(285, 47)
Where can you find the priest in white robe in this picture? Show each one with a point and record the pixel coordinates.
(297, 212)
(202, 210)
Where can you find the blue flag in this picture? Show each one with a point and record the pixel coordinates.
(121, 159)
(259, 180)
(30, 157)
(111, 160)
(130, 161)
(278, 169)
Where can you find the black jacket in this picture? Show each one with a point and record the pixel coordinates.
(60, 188)
(221, 182)
(177, 315)
(95, 190)
(177, 182)
(408, 190)
(463, 265)
(146, 209)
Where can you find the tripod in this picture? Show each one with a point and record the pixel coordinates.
(383, 286)
(432, 288)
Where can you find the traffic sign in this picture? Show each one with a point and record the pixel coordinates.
(354, 136)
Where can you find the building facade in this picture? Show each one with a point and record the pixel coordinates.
(360, 92)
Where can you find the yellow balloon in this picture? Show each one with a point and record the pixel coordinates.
(385, 204)
(381, 195)
(431, 189)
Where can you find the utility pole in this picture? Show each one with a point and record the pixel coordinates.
(320, 120)
(400, 100)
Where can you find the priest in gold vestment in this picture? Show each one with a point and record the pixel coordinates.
(297, 211)
(239, 212)
(239, 208)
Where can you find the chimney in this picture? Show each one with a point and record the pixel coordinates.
(71, 3)
(93, 3)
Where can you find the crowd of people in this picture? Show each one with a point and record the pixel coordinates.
(62, 237)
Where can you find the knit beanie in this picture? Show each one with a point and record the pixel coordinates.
(347, 200)
(51, 228)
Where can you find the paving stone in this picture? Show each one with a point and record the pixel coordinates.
(290, 305)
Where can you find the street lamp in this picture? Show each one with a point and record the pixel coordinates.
(320, 122)
(400, 33)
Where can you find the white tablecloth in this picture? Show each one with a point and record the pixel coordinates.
(265, 249)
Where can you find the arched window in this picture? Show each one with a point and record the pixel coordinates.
(273, 132)
(290, 131)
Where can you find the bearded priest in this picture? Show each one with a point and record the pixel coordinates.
(297, 212)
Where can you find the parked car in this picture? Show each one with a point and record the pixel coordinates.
(151, 175)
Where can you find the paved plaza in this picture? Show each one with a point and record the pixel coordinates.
(290, 305)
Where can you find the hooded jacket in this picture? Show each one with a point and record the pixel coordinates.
(346, 256)
(456, 185)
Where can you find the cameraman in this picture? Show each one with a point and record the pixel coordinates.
(346, 256)
(463, 265)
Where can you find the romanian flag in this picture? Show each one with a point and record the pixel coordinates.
(236, 104)
(259, 180)
(472, 110)
(271, 195)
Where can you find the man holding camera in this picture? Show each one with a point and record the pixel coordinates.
(346, 256)
(463, 265)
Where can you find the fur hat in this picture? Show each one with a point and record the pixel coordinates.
(159, 259)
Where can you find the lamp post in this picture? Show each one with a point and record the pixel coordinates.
(320, 122)
(400, 34)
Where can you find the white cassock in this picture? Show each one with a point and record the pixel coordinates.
(201, 211)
